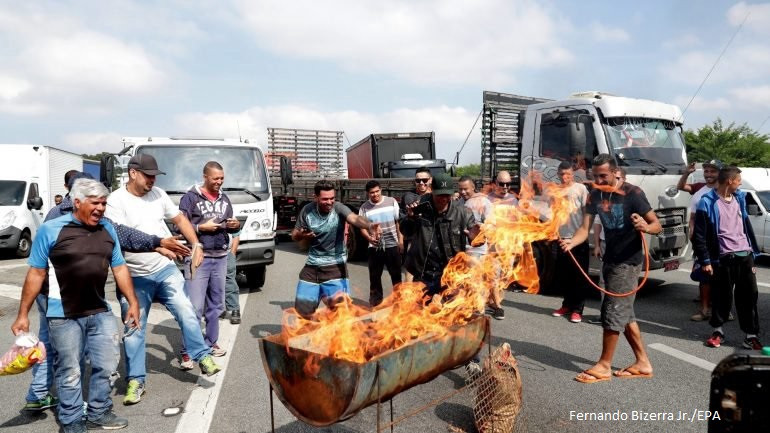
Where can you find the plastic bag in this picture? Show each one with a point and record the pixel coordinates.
(26, 351)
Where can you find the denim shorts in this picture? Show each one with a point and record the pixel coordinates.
(617, 311)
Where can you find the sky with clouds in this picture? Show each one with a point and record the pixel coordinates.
(80, 74)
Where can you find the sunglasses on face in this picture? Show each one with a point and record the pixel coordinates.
(421, 180)
(504, 184)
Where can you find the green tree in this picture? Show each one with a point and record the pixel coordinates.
(472, 170)
(738, 145)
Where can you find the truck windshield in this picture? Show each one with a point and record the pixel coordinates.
(645, 142)
(12, 192)
(243, 166)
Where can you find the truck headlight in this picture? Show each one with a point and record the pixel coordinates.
(265, 223)
(255, 225)
(672, 191)
(7, 219)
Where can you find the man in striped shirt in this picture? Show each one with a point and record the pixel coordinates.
(385, 252)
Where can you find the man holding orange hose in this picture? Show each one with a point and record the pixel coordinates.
(623, 211)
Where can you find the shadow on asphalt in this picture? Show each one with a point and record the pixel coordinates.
(24, 418)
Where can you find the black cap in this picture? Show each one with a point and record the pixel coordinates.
(145, 163)
(442, 184)
(714, 163)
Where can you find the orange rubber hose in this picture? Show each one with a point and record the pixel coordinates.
(620, 295)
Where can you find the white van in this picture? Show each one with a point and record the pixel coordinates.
(31, 179)
(756, 183)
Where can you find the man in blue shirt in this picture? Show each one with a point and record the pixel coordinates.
(68, 264)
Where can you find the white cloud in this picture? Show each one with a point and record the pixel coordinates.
(752, 96)
(682, 42)
(427, 42)
(66, 65)
(603, 33)
(758, 16)
(702, 104)
(747, 62)
(92, 142)
(451, 124)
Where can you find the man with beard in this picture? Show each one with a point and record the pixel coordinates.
(321, 223)
(698, 190)
(624, 212)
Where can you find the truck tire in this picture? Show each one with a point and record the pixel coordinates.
(255, 278)
(25, 245)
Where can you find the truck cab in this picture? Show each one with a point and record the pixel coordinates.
(246, 184)
(644, 136)
(28, 185)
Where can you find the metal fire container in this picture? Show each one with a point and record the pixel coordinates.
(341, 388)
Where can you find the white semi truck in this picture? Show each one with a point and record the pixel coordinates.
(32, 177)
(523, 134)
(247, 184)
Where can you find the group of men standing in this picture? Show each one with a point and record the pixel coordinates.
(88, 234)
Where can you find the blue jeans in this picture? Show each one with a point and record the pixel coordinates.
(96, 334)
(206, 292)
(167, 286)
(42, 373)
(231, 286)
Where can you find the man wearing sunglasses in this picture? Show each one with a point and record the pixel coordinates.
(501, 193)
(422, 185)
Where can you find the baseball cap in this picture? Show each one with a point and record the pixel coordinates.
(145, 163)
(442, 184)
(714, 163)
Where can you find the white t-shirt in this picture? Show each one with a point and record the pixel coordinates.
(696, 198)
(577, 194)
(144, 213)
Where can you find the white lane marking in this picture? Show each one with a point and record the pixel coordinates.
(758, 283)
(658, 324)
(7, 267)
(158, 314)
(686, 357)
(199, 410)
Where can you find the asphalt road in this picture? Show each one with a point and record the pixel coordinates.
(550, 351)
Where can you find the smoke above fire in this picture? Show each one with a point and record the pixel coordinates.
(359, 334)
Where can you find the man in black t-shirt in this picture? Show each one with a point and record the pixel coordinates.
(623, 210)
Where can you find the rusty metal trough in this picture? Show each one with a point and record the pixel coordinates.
(341, 388)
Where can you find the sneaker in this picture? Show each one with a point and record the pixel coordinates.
(208, 366)
(223, 315)
(108, 421)
(187, 363)
(575, 317)
(42, 404)
(218, 351)
(716, 340)
(133, 392)
(75, 427)
(235, 317)
(701, 316)
(752, 343)
(560, 312)
(498, 314)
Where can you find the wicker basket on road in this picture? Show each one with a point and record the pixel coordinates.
(497, 392)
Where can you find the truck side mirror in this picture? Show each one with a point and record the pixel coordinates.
(753, 209)
(107, 170)
(35, 203)
(285, 171)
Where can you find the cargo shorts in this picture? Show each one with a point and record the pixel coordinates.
(617, 311)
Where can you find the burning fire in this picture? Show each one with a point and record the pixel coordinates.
(358, 334)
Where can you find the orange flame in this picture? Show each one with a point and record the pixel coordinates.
(358, 334)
